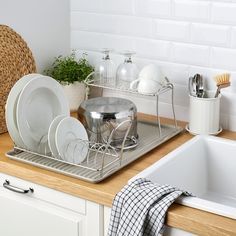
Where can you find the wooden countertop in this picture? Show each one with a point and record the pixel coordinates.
(189, 219)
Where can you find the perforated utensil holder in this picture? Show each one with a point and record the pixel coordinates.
(204, 115)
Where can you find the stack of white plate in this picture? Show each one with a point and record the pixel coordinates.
(34, 104)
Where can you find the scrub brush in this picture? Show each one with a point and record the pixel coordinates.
(222, 81)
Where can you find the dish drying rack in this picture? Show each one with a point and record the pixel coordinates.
(103, 159)
(98, 156)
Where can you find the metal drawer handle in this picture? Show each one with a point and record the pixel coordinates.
(7, 185)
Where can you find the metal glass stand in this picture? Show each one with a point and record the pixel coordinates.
(102, 160)
(93, 81)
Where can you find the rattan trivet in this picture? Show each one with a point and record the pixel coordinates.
(16, 60)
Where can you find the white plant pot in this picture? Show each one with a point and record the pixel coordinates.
(75, 94)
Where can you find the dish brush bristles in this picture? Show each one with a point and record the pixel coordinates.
(222, 79)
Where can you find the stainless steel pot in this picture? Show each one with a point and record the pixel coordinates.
(103, 114)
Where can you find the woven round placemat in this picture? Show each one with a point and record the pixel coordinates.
(16, 60)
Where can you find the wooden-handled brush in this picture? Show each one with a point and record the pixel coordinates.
(222, 81)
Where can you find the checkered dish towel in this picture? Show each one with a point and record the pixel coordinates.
(140, 208)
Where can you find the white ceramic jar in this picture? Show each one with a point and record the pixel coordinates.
(204, 115)
(75, 94)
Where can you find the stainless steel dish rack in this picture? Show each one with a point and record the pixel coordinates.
(102, 160)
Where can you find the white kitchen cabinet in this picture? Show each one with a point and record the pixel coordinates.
(46, 212)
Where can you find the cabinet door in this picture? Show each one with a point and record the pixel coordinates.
(94, 219)
(23, 215)
(107, 213)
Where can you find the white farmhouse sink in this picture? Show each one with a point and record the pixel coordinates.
(205, 166)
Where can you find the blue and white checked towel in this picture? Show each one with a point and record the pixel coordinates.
(140, 208)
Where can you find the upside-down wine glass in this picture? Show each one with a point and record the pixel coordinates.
(105, 69)
(126, 71)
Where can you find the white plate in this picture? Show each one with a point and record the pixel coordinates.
(40, 101)
(51, 136)
(72, 140)
(11, 104)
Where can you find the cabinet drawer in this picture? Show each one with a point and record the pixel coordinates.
(21, 215)
(45, 194)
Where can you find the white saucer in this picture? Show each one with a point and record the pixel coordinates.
(71, 140)
(51, 135)
(193, 133)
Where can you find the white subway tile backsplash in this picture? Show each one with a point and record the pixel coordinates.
(183, 37)
(191, 10)
(153, 8)
(84, 40)
(103, 6)
(210, 34)
(232, 87)
(154, 49)
(135, 26)
(172, 30)
(231, 123)
(113, 24)
(177, 74)
(228, 122)
(181, 96)
(233, 37)
(227, 104)
(190, 54)
(96, 41)
(223, 58)
(94, 22)
(223, 13)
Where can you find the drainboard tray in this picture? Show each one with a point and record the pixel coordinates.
(149, 138)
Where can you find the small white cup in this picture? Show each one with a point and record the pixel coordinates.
(204, 115)
(152, 72)
(149, 81)
(145, 86)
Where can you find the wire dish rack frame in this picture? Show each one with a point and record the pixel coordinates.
(91, 169)
(102, 159)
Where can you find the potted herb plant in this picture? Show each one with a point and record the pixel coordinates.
(71, 73)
